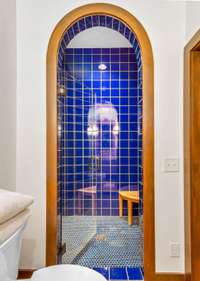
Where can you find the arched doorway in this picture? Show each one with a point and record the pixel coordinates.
(148, 127)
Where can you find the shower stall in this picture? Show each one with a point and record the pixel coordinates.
(99, 119)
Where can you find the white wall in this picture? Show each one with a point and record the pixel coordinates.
(192, 18)
(99, 37)
(8, 94)
(164, 22)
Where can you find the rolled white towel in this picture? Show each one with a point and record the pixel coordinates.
(12, 203)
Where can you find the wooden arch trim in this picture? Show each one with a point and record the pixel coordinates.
(148, 128)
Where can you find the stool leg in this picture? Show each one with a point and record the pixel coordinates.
(130, 213)
(120, 207)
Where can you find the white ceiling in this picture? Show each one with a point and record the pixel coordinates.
(99, 37)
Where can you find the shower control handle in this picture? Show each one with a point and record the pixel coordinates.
(97, 163)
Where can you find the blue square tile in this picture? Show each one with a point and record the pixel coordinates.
(105, 51)
(106, 204)
(68, 58)
(124, 50)
(105, 75)
(99, 212)
(115, 204)
(132, 38)
(124, 57)
(87, 67)
(102, 271)
(70, 204)
(124, 75)
(70, 212)
(114, 57)
(97, 51)
(96, 58)
(115, 212)
(96, 84)
(132, 56)
(69, 50)
(127, 32)
(82, 24)
(115, 50)
(115, 84)
(134, 273)
(87, 51)
(124, 84)
(115, 75)
(133, 75)
(133, 84)
(115, 67)
(116, 24)
(66, 39)
(87, 58)
(132, 66)
(122, 28)
(105, 58)
(88, 21)
(95, 20)
(76, 28)
(108, 22)
(70, 33)
(106, 84)
(77, 58)
(106, 212)
(118, 273)
(87, 84)
(102, 20)
(87, 75)
(135, 44)
(124, 66)
(78, 51)
(115, 195)
(63, 45)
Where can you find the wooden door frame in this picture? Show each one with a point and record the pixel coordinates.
(191, 157)
(148, 128)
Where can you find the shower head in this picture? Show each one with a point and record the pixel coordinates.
(61, 90)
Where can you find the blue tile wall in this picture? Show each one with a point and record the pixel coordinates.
(117, 89)
(121, 86)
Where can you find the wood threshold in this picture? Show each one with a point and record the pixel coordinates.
(25, 273)
(168, 276)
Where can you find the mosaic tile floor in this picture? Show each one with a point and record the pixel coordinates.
(101, 242)
(77, 232)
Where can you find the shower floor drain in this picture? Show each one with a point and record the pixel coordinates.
(100, 237)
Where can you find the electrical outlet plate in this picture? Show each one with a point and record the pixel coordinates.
(175, 249)
(171, 165)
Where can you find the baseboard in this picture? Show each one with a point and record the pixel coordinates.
(25, 273)
(165, 276)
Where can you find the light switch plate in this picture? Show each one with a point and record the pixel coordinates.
(171, 165)
(174, 249)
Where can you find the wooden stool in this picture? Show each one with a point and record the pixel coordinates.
(131, 197)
